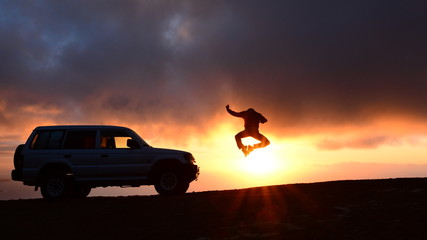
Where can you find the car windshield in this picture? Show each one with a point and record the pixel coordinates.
(135, 135)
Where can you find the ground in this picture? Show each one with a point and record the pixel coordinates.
(362, 209)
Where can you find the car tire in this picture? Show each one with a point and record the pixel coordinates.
(170, 182)
(55, 187)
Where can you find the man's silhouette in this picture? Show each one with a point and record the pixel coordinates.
(252, 120)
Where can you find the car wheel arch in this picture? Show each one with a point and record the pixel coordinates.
(163, 164)
(53, 168)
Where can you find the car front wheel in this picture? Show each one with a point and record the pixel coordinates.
(170, 182)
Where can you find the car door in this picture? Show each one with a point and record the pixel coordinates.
(79, 150)
(120, 157)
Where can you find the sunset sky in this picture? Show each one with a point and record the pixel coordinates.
(343, 84)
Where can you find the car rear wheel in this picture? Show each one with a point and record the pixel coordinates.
(55, 187)
(170, 182)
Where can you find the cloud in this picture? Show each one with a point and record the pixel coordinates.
(304, 65)
(366, 141)
(360, 143)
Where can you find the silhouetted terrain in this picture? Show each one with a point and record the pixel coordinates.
(362, 209)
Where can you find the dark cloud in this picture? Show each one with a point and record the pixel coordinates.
(301, 64)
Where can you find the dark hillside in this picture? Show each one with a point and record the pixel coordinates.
(362, 209)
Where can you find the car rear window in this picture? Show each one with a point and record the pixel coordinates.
(47, 140)
(80, 139)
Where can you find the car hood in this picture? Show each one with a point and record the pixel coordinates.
(154, 150)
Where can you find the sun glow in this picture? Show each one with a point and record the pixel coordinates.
(261, 161)
(224, 166)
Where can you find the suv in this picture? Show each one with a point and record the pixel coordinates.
(68, 161)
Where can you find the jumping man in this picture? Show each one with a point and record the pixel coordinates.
(252, 120)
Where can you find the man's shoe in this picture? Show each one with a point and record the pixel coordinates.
(249, 149)
(245, 150)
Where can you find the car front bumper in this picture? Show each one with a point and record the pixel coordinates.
(191, 172)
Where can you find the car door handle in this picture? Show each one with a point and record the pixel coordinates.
(67, 155)
(104, 155)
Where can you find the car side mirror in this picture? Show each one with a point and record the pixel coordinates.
(132, 144)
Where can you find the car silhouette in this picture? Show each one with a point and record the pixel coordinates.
(68, 161)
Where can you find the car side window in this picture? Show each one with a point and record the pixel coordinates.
(47, 140)
(117, 139)
(80, 139)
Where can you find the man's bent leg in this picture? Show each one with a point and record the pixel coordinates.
(239, 137)
(264, 142)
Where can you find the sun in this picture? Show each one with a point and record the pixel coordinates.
(259, 162)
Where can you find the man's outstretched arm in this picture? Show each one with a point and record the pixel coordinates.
(236, 114)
